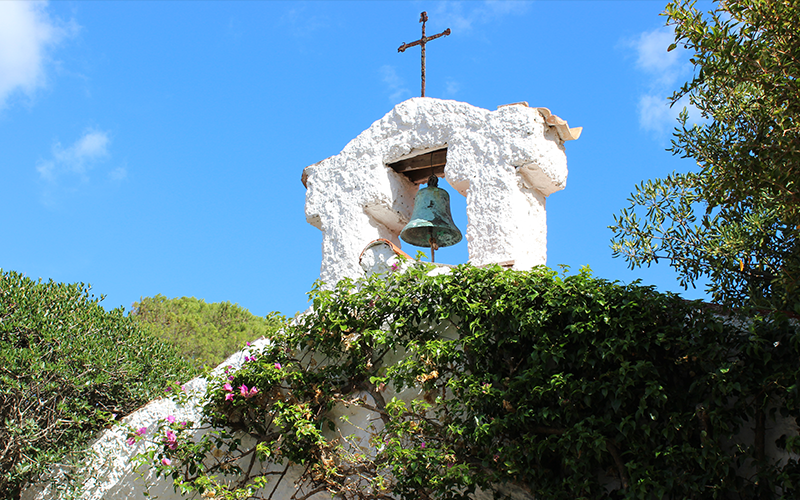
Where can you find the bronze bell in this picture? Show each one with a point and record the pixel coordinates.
(431, 223)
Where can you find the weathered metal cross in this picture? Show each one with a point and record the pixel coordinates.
(421, 42)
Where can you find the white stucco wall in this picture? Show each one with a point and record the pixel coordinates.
(506, 162)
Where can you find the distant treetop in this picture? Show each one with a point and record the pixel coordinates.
(204, 333)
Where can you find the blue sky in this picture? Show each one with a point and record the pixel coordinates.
(157, 147)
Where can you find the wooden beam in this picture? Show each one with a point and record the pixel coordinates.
(419, 168)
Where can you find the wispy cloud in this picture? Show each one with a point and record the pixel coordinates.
(665, 71)
(451, 88)
(302, 20)
(398, 91)
(77, 159)
(119, 174)
(27, 33)
(462, 17)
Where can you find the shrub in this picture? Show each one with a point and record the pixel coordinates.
(204, 333)
(569, 388)
(67, 369)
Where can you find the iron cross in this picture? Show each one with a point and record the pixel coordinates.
(421, 42)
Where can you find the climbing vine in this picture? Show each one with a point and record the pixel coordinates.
(557, 386)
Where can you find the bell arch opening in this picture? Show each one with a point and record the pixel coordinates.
(418, 169)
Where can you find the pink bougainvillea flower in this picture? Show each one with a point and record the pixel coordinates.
(183, 388)
(229, 396)
(422, 445)
(247, 393)
(166, 461)
(171, 440)
(230, 377)
(142, 431)
(278, 366)
(170, 419)
(248, 344)
(131, 440)
(228, 387)
(183, 424)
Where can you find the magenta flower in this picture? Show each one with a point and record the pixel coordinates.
(183, 424)
(230, 377)
(142, 431)
(229, 396)
(248, 344)
(422, 445)
(131, 440)
(247, 393)
(170, 419)
(171, 440)
(228, 387)
(278, 366)
(166, 461)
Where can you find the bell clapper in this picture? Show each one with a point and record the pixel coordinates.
(434, 246)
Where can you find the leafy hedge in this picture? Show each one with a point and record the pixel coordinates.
(204, 333)
(568, 388)
(68, 368)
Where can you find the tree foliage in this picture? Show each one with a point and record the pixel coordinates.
(566, 388)
(204, 333)
(67, 369)
(735, 221)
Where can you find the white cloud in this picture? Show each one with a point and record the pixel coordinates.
(26, 34)
(119, 174)
(652, 51)
(451, 88)
(302, 20)
(655, 113)
(664, 70)
(77, 159)
(460, 17)
(463, 16)
(398, 91)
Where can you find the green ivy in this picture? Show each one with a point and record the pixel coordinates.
(566, 387)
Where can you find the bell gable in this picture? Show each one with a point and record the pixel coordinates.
(505, 162)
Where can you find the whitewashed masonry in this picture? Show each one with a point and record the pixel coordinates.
(506, 162)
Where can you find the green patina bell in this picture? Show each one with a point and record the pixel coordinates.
(431, 223)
